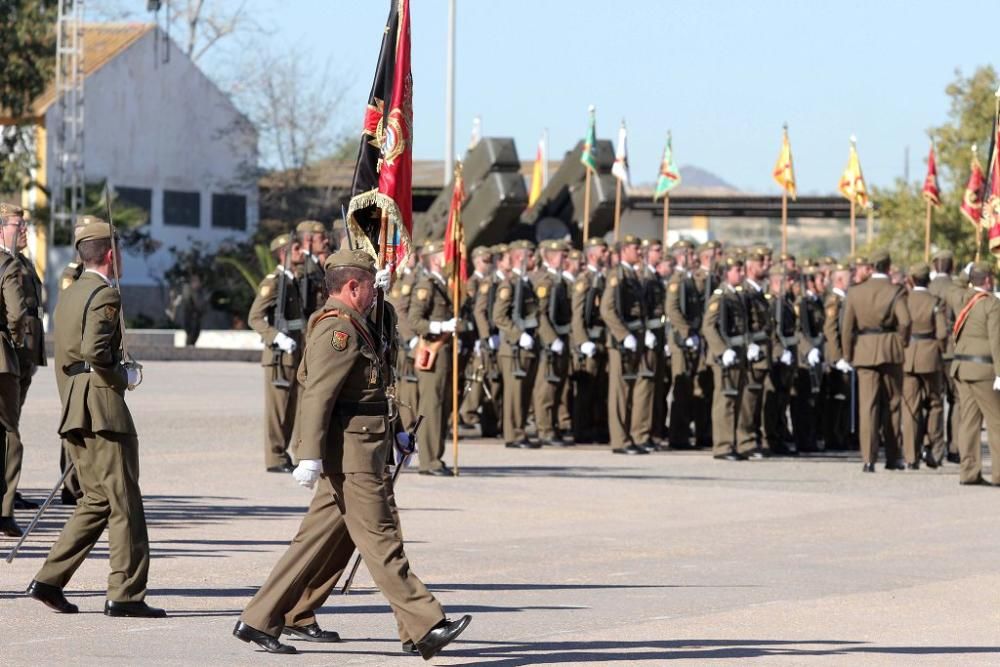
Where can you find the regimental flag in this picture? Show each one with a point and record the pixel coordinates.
(670, 175)
(931, 191)
(454, 238)
(852, 181)
(383, 175)
(991, 207)
(537, 174)
(588, 158)
(972, 200)
(784, 173)
(620, 168)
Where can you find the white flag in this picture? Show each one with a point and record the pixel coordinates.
(620, 168)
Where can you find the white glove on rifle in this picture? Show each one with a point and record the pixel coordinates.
(728, 358)
(557, 346)
(753, 352)
(383, 277)
(589, 349)
(666, 350)
(442, 326)
(843, 366)
(284, 343)
(691, 342)
(476, 347)
(414, 342)
(307, 472)
(813, 357)
(996, 383)
(494, 341)
(526, 342)
(786, 358)
(650, 339)
(133, 376)
(630, 343)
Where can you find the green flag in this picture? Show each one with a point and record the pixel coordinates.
(589, 155)
(670, 176)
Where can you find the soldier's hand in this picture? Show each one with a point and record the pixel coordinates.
(728, 358)
(414, 342)
(753, 352)
(843, 366)
(589, 349)
(666, 350)
(284, 343)
(650, 339)
(383, 278)
(691, 342)
(133, 376)
(630, 343)
(494, 341)
(307, 472)
(996, 383)
(786, 358)
(526, 342)
(557, 346)
(813, 358)
(404, 446)
(448, 326)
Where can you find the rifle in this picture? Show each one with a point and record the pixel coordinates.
(630, 368)
(689, 355)
(814, 339)
(517, 315)
(787, 342)
(127, 360)
(280, 321)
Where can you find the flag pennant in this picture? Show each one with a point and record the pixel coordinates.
(588, 158)
(991, 207)
(972, 201)
(670, 176)
(454, 236)
(784, 173)
(383, 174)
(852, 181)
(537, 174)
(931, 191)
(620, 168)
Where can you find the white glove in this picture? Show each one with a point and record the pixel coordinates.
(382, 278)
(441, 326)
(843, 366)
(728, 358)
(691, 342)
(414, 342)
(813, 358)
(650, 339)
(666, 350)
(786, 358)
(476, 347)
(589, 349)
(284, 343)
(753, 352)
(307, 472)
(557, 346)
(526, 342)
(630, 343)
(996, 383)
(448, 326)
(404, 444)
(133, 376)
(494, 341)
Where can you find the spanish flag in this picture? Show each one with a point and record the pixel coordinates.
(784, 173)
(537, 174)
(852, 181)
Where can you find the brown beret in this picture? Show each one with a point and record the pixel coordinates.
(359, 259)
(280, 241)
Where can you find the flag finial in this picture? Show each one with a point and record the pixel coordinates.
(784, 126)
(591, 108)
(854, 139)
(974, 149)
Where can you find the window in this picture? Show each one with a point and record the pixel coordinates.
(182, 209)
(138, 199)
(229, 211)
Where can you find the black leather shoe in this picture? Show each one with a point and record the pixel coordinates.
(22, 503)
(895, 465)
(132, 610)
(52, 597)
(728, 457)
(443, 634)
(913, 466)
(755, 456)
(928, 458)
(868, 467)
(630, 450)
(438, 472)
(649, 446)
(284, 467)
(976, 482)
(67, 498)
(9, 527)
(410, 648)
(244, 632)
(954, 457)
(312, 633)
(556, 442)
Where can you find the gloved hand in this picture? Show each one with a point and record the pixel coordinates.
(526, 342)
(307, 472)
(494, 341)
(557, 346)
(448, 326)
(414, 342)
(691, 342)
(813, 357)
(650, 339)
(404, 444)
(133, 376)
(996, 383)
(843, 366)
(728, 358)
(666, 350)
(786, 358)
(753, 352)
(476, 347)
(284, 343)
(383, 277)
(630, 343)
(589, 349)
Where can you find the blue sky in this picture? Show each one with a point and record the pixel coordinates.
(722, 75)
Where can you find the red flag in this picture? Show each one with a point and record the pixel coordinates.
(454, 238)
(991, 207)
(383, 174)
(931, 192)
(972, 202)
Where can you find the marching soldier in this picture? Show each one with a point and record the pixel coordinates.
(976, 369)
(684, 310)
(477, 366)
(280, 325)
(432, 317)
(807, 399)
(875, 327)
(627, 339)
(554, 325)
(650, 399)
(92, 377)
(516, 315)
(315, 244)
(784, 351)
(399, 297)
(952, 299)
(13, 327)
(346, 441)
(71, 487)
(839, 377)
(923, 411)
(589, 343)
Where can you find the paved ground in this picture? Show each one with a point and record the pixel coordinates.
(562, 557)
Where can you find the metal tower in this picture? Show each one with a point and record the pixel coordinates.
(67, 149)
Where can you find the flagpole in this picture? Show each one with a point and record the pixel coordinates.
(927, 233)
(854, 229)
(586, 209)
(618, 206)
(456, 272)
(870, 223)
(449, 98)
(784, 221)
(666, 218)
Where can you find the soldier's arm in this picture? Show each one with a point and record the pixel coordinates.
(14, 302)
(847, 331)
(479, 310)
(262, 306)
(609, 310)
(100, 331)
(710, 327)
(993, 329)
(834, 351)
(903, 320)
(421, 302)
(578, 303)
(543, 290)
(327, 368)
(503, 313)
(940, 323)
(677, 320)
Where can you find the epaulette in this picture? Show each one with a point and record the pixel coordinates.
(717, 291)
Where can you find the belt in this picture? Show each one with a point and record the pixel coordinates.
(562, 329)
(869, 331)
(975, 358)
(634, 325)
(655, 323)
(595, 333)
(361, 409)
(922, 336)
(77, 368)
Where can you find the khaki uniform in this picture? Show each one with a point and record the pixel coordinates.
(311, 282)
(344, 424)
(517, 365)
(407, 395)
(474, 354)
(650, 400)
(622, 312)
(780, 381)
(952, 299)
(103, 443)
(589, 421)
(684, 311)
(554, 323)
(702, 396)
(923, 409)
(431, 302)
(759, 324)
(975, 366)
(70, 274)
(875, 327)
(13, 332)
(807, 400)
(279, 402)
(489, 343)
(836, 416)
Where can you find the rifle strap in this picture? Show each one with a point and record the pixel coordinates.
(964, 315)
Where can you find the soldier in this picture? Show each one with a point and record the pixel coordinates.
(875, 329)
(476, 366)
(839, 377)
(433, 320)
(685, 309)
(923, 411)
(489, 343)
(807, 398)
(554, 325)
(315, 243)
(92, 377)
(784, 352)
(13, 326)
(281, 329)
(564, 414)
(71, 487)
(758, 350)
(952, 299)
(346, 454)
(590, 424)
(399, 297)
(707, 278)
(516, 316)
(650, 399)
(627, 340)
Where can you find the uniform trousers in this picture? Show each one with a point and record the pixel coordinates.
(550, 380)
(879, 410)
(434, 402)
(10, 415)
(978, 402)
(590, 393)
(279, 415)
(516, 394)
(623, 418)
(923, 414)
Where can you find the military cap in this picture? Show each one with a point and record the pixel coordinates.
(554, 244)
(762, 250)
(575, 254)
(732, 260)
(983, 267)
(943, 254)
(630, 239)
(595, 241)
(682, 244)
(500, 248)
(880, 255)
(89, 228)
(651, 242)
(310, 227)
(522, 244)
(433, 247)
(8, 210)
(479, 251)
(827, 259)
(920, 271)
(779, 270)
(858, 260)
(757, 253)
(710, 245)
(280, 241)
(357, 258)
(786, 256)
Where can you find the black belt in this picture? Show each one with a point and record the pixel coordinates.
(361, 409)
(975, 358)
(868, 331)
(922, 336)
(77, 368)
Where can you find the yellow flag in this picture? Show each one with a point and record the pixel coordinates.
(784, 173)
(537, 175)
(852, 182)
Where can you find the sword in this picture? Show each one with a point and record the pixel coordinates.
(38, 514)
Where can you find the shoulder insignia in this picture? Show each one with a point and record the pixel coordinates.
(66, 282)
(484, 288)
(339, 341)
(738, 288)
(265, 289)
(613, 281)
(422, 293)
(768, 297)
(717, 291)
(110, 312)
(831, 311)
(714, 306)
(542, 291)
(674, 287)
(504, 293)
(406, 289)
(581, 286)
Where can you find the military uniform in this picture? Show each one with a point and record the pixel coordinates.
(309, 275)
(952, 299)
(759, 327)
(589, 344)
(554, 324)
(407, 394)
(489, 344)
(651, 388)
(475, 354)
(685, 311)
(280, 388)
(13, 331)
(71, 487)
(780, 380)
(836, 415)
(706, 280)
(807, 400)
